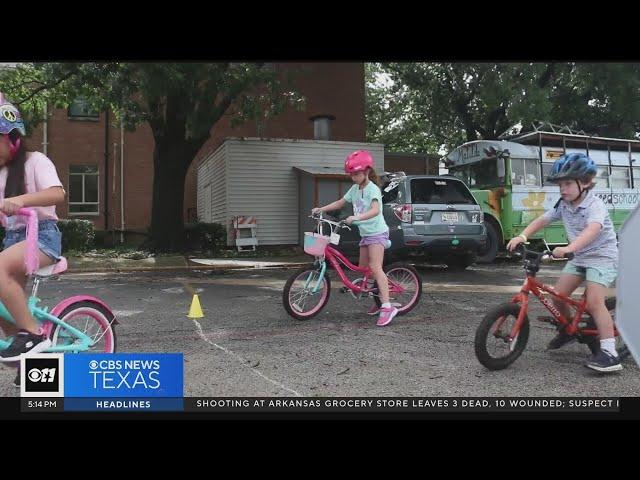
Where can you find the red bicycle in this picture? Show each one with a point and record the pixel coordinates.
(503, 333)
(307, 291)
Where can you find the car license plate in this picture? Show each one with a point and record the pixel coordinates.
(450, 217)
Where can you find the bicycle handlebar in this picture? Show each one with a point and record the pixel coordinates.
(340, 224)
(524, 251)
(25, 212)
(31, 260)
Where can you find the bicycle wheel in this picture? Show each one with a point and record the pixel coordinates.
(298, 297)
(93, 320)
(408, 278)
(493, 349)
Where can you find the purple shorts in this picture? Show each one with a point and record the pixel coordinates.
(380, 238)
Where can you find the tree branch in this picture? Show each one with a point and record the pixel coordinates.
(547, 75)
(460, 105)
(45, 87)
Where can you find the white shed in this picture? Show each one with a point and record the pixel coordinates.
(256, 177)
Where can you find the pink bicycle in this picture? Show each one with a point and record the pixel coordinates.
(307, 291)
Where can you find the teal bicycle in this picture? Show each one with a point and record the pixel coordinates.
(80, 323)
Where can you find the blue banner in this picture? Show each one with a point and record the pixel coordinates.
(75, 404)
(113, 375)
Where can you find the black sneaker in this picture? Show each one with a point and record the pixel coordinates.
(24, 343)
(561, 339)
(16, 381)
(604, 362)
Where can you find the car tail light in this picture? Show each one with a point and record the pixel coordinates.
(403, 212)
(477, 217)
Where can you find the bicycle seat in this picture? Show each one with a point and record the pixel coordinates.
(387, 245)
(59, 267)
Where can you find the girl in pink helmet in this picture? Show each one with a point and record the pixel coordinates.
(27, 179)
(366, 198)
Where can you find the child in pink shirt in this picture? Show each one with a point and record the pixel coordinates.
(27, 180)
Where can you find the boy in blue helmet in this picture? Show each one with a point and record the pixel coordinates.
(592, 240)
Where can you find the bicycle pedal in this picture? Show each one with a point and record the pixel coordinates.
(587, 325)
(587, 322)
(344, 290)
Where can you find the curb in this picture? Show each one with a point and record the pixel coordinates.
(186, 268)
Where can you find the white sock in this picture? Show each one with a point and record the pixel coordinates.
(609, 345)
(386, 305)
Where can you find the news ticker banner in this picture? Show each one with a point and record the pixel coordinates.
(322, 405)
(148, 382)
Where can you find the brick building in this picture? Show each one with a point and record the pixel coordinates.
(88, 148)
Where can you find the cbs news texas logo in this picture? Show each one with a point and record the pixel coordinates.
(103, 375)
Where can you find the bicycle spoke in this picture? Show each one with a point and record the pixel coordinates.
(84, 323)
(300, 296)
(497, 344)
(404, 281)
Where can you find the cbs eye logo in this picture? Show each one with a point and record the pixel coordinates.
(42, 376)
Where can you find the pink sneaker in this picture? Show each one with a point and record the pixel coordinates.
(386, 315)
(374, 310)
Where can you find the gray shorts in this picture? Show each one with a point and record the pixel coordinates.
(601, 275)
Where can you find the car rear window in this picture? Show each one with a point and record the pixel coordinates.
(432, 190)
(391, 196)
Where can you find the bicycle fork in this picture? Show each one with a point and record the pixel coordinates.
(523, 300)
(315, 288)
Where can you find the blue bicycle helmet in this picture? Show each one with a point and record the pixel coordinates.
(572, 166)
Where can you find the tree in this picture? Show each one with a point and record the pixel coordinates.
(389, 115)
(451, 103)
(600, 98)
(181, 102)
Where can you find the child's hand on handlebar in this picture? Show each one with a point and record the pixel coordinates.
(350, 219)
(514, 242)
(560, 252)
(10, 206)
(316, 211)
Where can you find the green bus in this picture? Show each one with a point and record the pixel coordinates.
(507, 178)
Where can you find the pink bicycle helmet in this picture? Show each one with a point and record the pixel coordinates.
(358, 161)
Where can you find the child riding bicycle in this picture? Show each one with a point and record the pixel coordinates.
(592, 240)
(366, 198)
(27, 179)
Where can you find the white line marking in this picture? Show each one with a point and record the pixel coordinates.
(241, 360)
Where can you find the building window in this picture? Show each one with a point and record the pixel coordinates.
(83, 190)
(80, 110)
